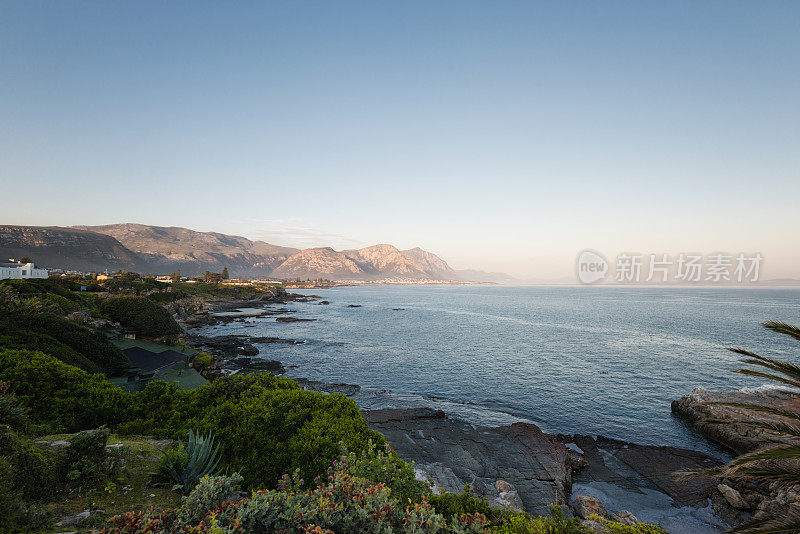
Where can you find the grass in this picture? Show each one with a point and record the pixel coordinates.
(130, 493)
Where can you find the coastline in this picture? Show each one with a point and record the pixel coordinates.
(514, 465)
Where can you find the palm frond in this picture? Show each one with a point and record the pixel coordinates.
(787, 368)
(786, 429)
(782, 328)
(776, 378)
(781, 473)
(778, 452)
(757, 408)
(775, 365)
(786, 521)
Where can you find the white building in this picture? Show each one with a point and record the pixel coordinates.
(16, 270)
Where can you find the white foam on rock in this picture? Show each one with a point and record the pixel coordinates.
(770, 388)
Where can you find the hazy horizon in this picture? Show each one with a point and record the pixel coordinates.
(502, 137)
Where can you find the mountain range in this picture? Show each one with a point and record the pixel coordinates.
(157, 249)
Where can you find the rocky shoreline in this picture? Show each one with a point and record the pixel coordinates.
(518, 466)
(719, 416)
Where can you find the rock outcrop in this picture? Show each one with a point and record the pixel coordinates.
(585, 507)
(495, 462)
(720, 416)
(723, 423)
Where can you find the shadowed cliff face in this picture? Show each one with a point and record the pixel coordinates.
(167, 249)
(67, 248)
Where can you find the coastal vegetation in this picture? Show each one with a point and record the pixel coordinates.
(142, 315)
(71, 441)
(38, 322)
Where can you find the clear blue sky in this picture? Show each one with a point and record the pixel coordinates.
(501, 135)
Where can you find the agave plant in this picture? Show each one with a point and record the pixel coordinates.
(778, 461)
(186, 464)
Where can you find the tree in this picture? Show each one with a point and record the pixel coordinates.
(25, 259)
(212, 278)
(225, 273)
(176, 276)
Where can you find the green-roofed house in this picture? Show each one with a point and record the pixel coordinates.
(154, 361)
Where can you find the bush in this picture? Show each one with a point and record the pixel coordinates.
(265, 425)
(382, 465)
(67, 341)
(639, 528)
(203, 360)
(60, 396)
(83, 460)
(33, 472)
(456, 504)
(343, 504)
(12, 413)
(165, 297)
(142, 315)
(19, 516)
(25, 339)
(209, 493)
(520, 523)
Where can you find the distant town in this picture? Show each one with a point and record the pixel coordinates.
(24, 268)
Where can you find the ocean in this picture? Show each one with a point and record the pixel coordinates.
(576, 360)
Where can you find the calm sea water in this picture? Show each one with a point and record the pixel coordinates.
(589, 360)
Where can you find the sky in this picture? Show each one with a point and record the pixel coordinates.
(503, 136)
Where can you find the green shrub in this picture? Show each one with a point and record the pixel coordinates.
(455, 504)
(7, 493)
(265, 425)
(294, 428)
(74, 344)
(64, 304)
(203, 360)
(164, 297)
(209, 493)
(12, 413)
(639, 528)
(343, 504)
(33, 472)
(26, 339)
(46, 285)
(142, 315)
(381, 465)
(60, 396)
(84, 458)
(17, 516)
(521, 523)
